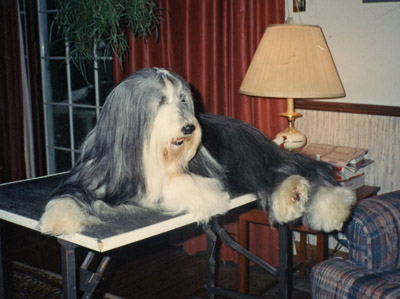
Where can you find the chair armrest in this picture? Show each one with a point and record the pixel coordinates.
(373, 232)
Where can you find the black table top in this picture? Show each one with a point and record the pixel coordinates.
(23, 203)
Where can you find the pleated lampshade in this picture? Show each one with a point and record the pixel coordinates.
(293, 62)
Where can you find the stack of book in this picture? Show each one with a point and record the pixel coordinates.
(349, 162)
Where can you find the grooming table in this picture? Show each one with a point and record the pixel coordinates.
(23, 202)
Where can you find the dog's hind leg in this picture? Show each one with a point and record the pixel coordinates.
(289, 199)
(64, 216)
(329, 208)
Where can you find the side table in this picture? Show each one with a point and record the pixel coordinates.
(258, 216)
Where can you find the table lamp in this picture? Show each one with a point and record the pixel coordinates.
(293, 62)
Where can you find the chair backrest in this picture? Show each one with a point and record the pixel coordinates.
(373, 232)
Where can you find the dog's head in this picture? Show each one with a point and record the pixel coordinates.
(175, 133)
(150, 114)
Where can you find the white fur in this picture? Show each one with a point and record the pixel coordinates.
(201, 197)
(329, 208)
(289, 199)
(183, 192)
(65, 216)
(169, 185)
(160, 147)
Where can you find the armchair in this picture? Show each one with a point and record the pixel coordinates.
(373, 267)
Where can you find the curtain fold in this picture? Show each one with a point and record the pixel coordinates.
(210, 44)
(12, 159)
(29, 146)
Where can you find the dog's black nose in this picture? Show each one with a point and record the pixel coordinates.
(188, 129)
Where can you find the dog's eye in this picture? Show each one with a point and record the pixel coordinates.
(183, 99)
(163, 101)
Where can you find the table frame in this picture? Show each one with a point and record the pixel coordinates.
(13, 209)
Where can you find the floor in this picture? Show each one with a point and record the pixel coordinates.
(149, 269)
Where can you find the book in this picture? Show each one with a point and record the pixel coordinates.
(354, 182)
(336, 155)
(348, 171)
(361, 164)
(342, 173)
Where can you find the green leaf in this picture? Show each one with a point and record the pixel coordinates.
(104, 23)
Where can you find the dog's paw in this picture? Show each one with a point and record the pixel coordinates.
(329, 209)
(64, 216)
(289, 199)
(214, 204)
(201, 197)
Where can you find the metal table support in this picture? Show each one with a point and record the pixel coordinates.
(68, 269)
(285, 275)
(214, 230)
(88, 280)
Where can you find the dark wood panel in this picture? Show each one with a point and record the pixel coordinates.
(347, 107)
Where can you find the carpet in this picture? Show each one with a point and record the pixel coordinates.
(32, 283)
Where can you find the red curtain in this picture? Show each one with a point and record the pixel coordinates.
(210, 43)
(12, 159)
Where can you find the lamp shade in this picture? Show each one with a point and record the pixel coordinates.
(292, 61)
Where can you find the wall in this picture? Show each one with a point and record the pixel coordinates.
(365, 43)
(379, 134)
(364, 40)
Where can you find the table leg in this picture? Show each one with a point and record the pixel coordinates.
(213, 230)
(237, 247)
(302, 254)
(285, 261)
(322, 247)
(243, 260)
(211, 243)
(88, 279)
(68, 269)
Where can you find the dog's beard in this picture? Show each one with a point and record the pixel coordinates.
(177, 154)
(169, 183)
(171, 187)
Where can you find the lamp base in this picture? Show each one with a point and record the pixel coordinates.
(290, 138)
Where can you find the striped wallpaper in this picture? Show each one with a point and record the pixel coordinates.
(379, 134)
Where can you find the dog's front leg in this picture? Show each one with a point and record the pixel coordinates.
(64, 216)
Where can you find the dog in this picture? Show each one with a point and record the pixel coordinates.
(150, 149)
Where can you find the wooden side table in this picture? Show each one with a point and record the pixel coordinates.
(260, 217)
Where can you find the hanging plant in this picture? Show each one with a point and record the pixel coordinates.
(91, 26)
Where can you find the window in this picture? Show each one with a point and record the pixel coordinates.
(72, 104)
